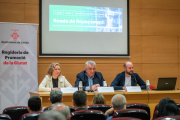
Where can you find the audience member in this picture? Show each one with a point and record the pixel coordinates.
(51, 115)
(60, 107)
(99, 99)
(167, 107)
(118, 102)
(80, 100)
(55, 97)
(34, 104)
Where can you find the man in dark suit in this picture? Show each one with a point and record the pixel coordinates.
(127, 78)
(89, 77)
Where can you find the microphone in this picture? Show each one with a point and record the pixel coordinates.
(135, 79)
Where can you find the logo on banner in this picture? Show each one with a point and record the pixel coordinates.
(15, 35)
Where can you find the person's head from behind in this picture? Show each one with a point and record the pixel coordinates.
(119, 102)
(56, 96)
(51, 115)
(167, 107)
(60, 107)
(34, 104)
(90, 67)
(99, 99)
(54, 70)
(79, 99)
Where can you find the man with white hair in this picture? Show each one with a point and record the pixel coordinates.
(60, 107)
(118, 102)
(90, 78)
(51, 115)
(127, 78)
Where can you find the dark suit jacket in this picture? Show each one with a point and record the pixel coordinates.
(98, 79)
(119, 81)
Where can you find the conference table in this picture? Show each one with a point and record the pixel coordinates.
(151, 97)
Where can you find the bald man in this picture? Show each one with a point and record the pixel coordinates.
(127, 78)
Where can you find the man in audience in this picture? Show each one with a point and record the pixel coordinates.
(55, 97)
(62, 109)
(80, 100)
(34, 104)
(51, 115)
(118, 102)
(90, 78)
(127, 78)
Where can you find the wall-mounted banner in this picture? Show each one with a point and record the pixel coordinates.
(18, 63)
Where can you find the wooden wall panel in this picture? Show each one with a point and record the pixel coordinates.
(179, 48)
(160, 22)
(31, 13)
(135, 49)
(159, 49)
(135, 3)
(152, 72)
(11, 1)
(31, 1)
(178, 80)
(135, 21)
(162, 4)
(12, 12)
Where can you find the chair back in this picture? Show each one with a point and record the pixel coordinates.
(71, 108)
(5, 117)
(87, 115)
(48, 108)
(139, 106)
(155, 114)
(136, 113)
(100, 107)
(176, 117)
(125, 118)
(31, 116)
(152, 87)
(15, 112)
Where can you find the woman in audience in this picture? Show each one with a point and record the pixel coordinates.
(54, 79)
(167, 107)
(99, 99)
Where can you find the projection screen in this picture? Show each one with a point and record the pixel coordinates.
(84, 28)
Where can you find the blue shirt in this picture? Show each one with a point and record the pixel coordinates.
(108, 117)
(90, 81)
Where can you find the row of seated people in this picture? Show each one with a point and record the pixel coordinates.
(90, 79)
(81, 111)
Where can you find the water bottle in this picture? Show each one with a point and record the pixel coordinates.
(80, 85)
(104, 84)
(147, 85)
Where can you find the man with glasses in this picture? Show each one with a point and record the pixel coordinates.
(90, 78)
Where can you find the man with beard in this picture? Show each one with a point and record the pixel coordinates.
(127, 78)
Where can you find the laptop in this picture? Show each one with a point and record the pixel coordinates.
(166, 83)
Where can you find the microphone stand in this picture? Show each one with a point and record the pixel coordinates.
(90, 89)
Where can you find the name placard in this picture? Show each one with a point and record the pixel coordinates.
(133, 89)
(69, 90)
(105, 89)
